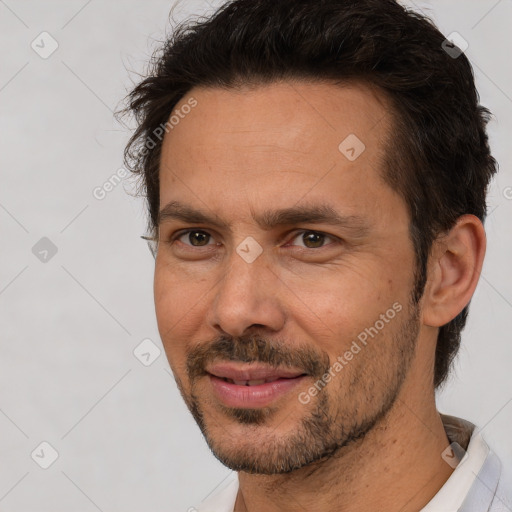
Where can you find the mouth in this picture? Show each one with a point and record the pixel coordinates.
(251, 385)
(251, 372)
(255, 382)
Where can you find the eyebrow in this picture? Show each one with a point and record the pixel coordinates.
(270, 219)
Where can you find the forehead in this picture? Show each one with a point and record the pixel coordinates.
(303, 116)
(276, 143)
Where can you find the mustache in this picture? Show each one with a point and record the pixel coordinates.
(256, 349)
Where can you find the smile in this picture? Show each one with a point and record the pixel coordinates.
(253, 385)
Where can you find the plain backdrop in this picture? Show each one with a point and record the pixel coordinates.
(76, 279)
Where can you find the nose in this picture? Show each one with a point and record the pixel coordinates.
(246, 296)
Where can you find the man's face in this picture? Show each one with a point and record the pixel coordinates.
(320, 308)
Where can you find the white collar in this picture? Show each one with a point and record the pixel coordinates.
(473, 483)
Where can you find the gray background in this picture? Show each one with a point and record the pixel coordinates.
(69, 325)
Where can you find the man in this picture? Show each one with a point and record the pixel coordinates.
(316, 174)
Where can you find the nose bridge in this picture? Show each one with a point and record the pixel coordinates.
(246, 294)
(242, 278)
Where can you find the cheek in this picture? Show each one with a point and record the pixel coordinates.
(181, 302)
(164, 299)
(175, 294)
(335, 311)
(171, 308)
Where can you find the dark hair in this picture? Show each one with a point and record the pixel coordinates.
(438, 158)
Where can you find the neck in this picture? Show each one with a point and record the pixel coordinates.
(396, 466)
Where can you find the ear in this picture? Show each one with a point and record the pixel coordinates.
(454, 267)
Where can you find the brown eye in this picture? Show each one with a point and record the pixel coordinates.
(195, 238)
(312, 239)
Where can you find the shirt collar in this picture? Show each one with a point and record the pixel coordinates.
(472, 485)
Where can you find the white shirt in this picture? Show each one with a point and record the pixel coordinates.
(474, 485)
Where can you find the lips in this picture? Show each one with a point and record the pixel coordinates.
(256, 382)
(251, 375)
(251, 385)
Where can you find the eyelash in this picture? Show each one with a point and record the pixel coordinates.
(181, 233)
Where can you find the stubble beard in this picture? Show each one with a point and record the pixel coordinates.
(327, 428)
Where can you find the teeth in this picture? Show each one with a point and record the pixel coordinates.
(249, 382)
(256, 382)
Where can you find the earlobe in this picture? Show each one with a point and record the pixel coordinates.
(454, 268)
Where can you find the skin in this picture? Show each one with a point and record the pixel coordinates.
(237, 154)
